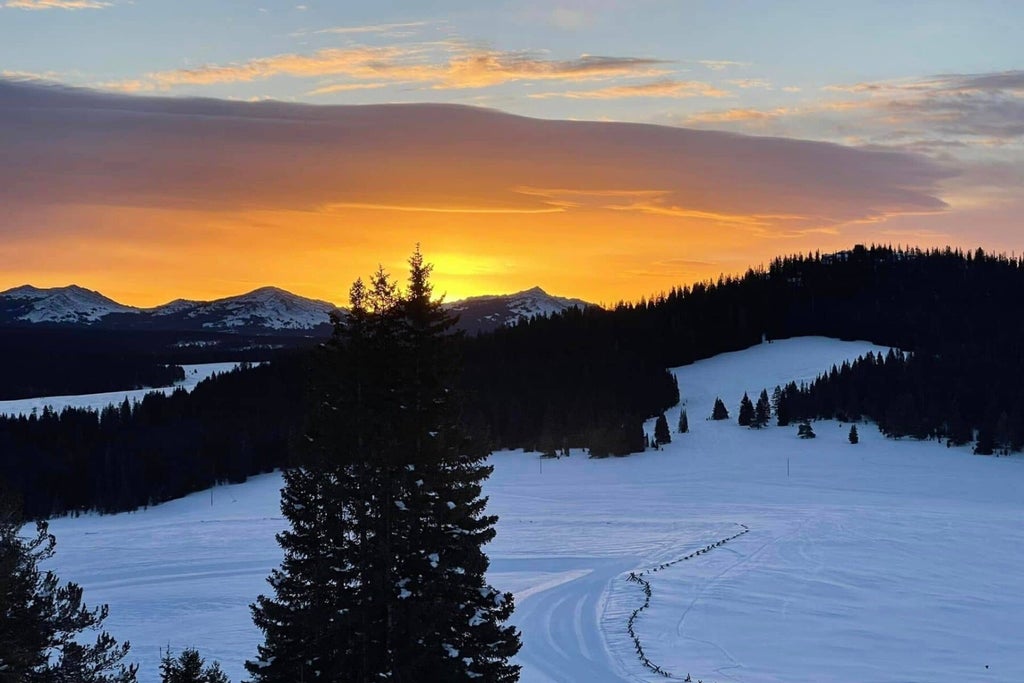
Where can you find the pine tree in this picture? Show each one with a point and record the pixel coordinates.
(720, 412)
(805, 431)
(783, 405)
(746, 416)
(854, 437)
(383, 576)
(762, 411)
(684, 424)
(42, 620)
(661, 433)
(189, 667)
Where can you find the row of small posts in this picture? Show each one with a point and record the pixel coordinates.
(638, 578)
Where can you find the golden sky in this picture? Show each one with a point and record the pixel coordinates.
(148, 199)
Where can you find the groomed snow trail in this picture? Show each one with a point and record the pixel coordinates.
(560, 626)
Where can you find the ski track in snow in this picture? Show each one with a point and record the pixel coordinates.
(884, 562)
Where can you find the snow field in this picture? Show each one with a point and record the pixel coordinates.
(886, 561)
(194, 374)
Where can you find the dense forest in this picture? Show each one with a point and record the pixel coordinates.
(56, 361)
(51, 363)
(587, 378)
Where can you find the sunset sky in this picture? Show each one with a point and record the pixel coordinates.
(610, 149)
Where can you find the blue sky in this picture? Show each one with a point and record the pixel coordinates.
(749, 54)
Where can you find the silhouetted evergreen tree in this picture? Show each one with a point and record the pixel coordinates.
(854, 438)
(383, 576)
(684, 423)
(661, 433)
(805, 431)
(762, 411)
(189, 667)
(720, 412)
(746, 414)
(43, 622)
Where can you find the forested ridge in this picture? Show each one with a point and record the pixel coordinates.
(587, 378)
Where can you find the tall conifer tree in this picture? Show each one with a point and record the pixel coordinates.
(719, 412)
(42, 620)
(762, 411)
(746, 415)
(661, 433)
(383, 576)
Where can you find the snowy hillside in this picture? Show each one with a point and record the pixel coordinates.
(267, 307)
(489, 312)
(70, 304)
(881, 561)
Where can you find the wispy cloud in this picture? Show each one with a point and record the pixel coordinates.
(736, 114)
(405, 27)
(56, 4)
(721, 64)
(660, 88)
(346, 87)
(19, 75)
(751, 83)
(457, 66)
(925, 114)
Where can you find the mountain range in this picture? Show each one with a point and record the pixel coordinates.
(267, 310)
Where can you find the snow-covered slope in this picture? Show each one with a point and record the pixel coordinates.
(483, 313)
(881, 561)
(71, 304)
(266, 308)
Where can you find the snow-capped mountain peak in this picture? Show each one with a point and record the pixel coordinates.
(491, 311)
(261, 311)
(264, 307)
(71, 304)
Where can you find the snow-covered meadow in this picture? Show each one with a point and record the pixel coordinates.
(194, 374)
(877, 562)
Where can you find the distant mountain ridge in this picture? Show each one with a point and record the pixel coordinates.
(66, 305)
(492, 311)
(267, 310)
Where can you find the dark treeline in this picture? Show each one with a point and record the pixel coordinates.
(587, 378)
(54, 361)
(562, 383)
(958, 313)
(51, 363)
(246, 422)
(955, 396)
(231, 426)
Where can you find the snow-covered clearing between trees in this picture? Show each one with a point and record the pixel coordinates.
(194, 374)
(885, 561)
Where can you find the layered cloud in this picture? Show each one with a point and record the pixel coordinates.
(67, 146)
(434, 65)
(940, 111)
(665, 87)
(149, 198)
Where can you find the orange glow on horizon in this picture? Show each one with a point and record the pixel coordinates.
(599, 255)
